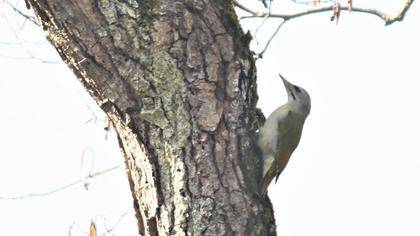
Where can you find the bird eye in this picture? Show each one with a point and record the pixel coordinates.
(296, 88)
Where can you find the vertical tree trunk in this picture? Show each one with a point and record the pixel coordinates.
(177, 80)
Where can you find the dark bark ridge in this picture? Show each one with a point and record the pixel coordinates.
(178, 82)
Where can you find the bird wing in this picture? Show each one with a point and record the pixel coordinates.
(267, 179)
(287, 131)
(273, 170)
(268, 138)
(280, 145)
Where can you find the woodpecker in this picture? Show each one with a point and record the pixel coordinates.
(281, 132)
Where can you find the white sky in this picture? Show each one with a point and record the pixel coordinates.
(355, 172)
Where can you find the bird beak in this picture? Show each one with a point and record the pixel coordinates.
(285, 82)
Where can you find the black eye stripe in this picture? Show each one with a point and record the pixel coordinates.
(293, 95)
(296, 88)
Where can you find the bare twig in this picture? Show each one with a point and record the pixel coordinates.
(389, 19)
(258, 28)
(109, 230)
(399, 16)
(254, 13)
(263, 21)
(90, 176)
(30, 18)
(22, 42)
(106, 230)
(312, 2)
(260, 55)
(30, 57)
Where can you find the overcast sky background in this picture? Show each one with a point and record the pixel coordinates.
(355, 172)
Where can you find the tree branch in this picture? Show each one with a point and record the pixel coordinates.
(387, 18)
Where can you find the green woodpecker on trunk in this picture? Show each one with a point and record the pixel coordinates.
(281, 132)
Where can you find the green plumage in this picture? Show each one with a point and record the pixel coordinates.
(280, 135)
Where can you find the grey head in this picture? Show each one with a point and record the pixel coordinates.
(298, 96)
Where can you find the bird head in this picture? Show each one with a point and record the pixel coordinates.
(298, 96)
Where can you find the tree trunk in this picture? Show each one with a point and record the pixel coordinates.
(178, 81)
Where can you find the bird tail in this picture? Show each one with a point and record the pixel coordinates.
(266, 180)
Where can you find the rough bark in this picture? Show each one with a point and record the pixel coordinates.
(177, 80)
